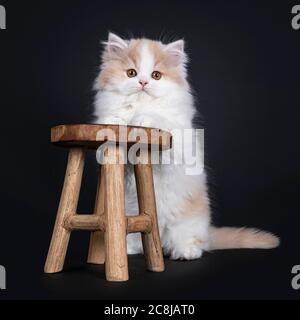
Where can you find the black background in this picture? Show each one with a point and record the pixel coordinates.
(244, 69)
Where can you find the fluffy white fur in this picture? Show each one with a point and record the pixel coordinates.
(182, 201)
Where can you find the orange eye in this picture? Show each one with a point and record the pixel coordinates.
(156, 75)
(131, 73)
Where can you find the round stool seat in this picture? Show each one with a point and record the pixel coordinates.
(93, 135)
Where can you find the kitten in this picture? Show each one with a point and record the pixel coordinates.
(143, 82)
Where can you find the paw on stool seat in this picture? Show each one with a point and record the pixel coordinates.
(108, 224)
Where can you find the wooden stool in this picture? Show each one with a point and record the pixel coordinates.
(108, 224)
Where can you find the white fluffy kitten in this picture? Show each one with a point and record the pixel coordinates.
(143, 82)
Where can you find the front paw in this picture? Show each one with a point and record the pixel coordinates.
(143, 121)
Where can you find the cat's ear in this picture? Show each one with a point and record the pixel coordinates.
(115, 44)
(176, 52)
(176, 46)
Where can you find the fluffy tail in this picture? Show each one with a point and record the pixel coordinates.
(238, 238)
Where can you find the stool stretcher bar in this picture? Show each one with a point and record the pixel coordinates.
(88, 222)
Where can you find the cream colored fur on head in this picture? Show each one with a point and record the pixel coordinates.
(129, 92)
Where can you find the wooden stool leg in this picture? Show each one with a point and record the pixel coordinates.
(116, 264)
(67, 207)
(97, 248)
(147, 205)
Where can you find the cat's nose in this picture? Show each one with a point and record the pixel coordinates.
(143, 83)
